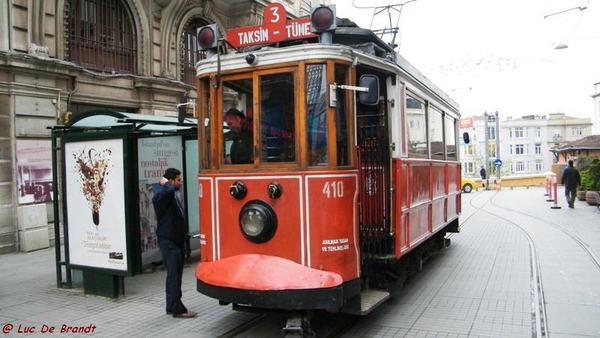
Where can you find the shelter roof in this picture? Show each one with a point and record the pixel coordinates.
(111, 119)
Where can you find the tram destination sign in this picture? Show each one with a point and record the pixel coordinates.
(275, 29)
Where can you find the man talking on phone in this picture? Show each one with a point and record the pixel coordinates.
(172, 232)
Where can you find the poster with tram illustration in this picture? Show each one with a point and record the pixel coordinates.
(96, 216)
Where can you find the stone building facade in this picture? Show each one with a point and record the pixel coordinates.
(60, 58)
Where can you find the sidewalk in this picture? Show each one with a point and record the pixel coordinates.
(482, 282)
(30, 301)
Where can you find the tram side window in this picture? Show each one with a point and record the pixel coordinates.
(436, 132)
(341, 117)
(316, 114)
(417, 135)
(277, 119)
(450, 127)
(238, 143)
(204, 113)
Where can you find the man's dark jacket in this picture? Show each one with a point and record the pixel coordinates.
(571, 178)
(171, 222)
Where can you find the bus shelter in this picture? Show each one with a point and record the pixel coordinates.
(106, 169)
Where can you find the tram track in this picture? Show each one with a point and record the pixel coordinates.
(327, 327)
(574, 237)
(538, 304)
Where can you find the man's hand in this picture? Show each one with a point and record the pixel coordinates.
(163, 181)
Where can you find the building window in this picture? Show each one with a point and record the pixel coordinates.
(539, 166)
(538, 132)
(470, 149)
(519, 166)
(191, 52)
(538, 148)
(577, 131)
(492, 149)
(469, 168)
(102, 35)
(519, 149)
(491, 133)
(519, 133)
(557, 136)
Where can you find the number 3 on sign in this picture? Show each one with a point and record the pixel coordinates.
(275, 13)
(333, 189)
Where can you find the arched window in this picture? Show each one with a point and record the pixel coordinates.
(191, 53)
(102, 35)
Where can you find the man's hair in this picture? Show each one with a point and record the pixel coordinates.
(235, 112)
(570, 163)
(171, 173)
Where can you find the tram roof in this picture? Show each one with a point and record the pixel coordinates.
(348, 33)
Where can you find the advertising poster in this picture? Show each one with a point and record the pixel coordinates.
(96, 204)
(34, 171)
(155, 155)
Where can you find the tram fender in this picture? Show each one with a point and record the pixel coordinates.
(264, 273)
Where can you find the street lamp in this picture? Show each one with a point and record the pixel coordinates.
(563, 45)
(566, 10)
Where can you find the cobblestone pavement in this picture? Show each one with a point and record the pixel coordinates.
(481, 286)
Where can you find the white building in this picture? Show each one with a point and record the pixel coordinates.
(525, 142)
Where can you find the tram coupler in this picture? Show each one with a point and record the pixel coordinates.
(298, 327)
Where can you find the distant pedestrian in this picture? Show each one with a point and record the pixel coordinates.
(172, 232)
(483, 175)
(571, 180)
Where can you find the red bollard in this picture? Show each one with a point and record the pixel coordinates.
(549, 184)
(555, 206)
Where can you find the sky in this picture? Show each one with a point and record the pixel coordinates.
(497, 55)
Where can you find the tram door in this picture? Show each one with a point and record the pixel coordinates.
(375, 199)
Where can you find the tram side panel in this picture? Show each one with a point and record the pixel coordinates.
(426, 202)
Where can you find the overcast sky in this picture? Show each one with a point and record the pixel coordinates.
(498, 55)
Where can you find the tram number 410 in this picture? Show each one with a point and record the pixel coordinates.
(333, 189)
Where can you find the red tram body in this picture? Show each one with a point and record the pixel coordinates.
(354, 178)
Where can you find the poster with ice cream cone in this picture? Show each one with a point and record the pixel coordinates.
(95, 196)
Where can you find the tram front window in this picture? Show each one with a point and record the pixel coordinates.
(277, 118)
(316, 113)
(238, 136)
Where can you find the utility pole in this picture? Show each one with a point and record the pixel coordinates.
(486, 157)
(497, 146)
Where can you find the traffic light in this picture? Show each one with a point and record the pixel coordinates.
(208, 37)
(466, 138)
(322, 19)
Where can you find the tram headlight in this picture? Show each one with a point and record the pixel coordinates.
(208, 37)
(322, 19)
(258, 221)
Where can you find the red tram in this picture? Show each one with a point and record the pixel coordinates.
(352, 178)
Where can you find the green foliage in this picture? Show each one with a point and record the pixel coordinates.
(584, 161)
(594, 174)
(586, 181)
